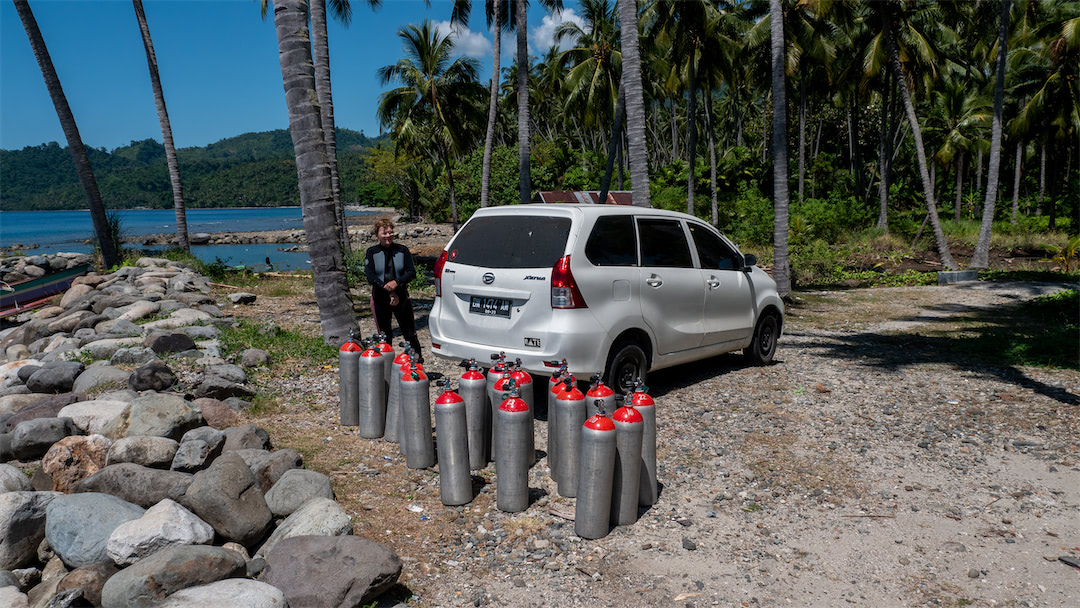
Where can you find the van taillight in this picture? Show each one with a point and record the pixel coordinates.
(564, 290)
(438, 273)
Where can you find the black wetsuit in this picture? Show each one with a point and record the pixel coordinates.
(385, 264)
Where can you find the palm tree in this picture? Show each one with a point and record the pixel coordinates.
(959, 115)
(166, 129)
(313, 170)
(110, 254)
(888, 17)
(438, 105)
(635, 103)
(593, 62)
(524, 169)
(781, 267)
(982, 247)
(495, 10)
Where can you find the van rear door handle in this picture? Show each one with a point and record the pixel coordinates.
(713, 282)
(654, 281)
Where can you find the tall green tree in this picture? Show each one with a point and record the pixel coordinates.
(982, 247)
(110, 254)
(313, 170)
(781, 196)
(635, 102)
(892, 18)
(166, 129)
(437, 108)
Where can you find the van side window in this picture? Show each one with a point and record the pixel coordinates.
(663, 244)
(713, 252)
(612, 242)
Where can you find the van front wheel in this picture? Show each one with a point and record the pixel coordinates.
(762, 349)
(627, 364)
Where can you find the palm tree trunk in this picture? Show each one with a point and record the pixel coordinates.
(856, 149)
(979, 172)
(635, 104)
(781, 268)
(712, 154)
(959, 186)
(110, 255)
(674, 134)
(614, 143)
(493, 102)
(691, 145)
(450, 181)
(313, 170)
(166, 129)
(928, 188)
(802, 133)
(321, 55)
(980, 259)
(524, 172)
(1042, 179)
(883, 162)
(1016, 184)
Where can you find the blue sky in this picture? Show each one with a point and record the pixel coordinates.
(218, 64)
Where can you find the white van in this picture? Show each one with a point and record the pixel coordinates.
(616, 289)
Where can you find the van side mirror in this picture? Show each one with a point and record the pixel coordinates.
(749, 260)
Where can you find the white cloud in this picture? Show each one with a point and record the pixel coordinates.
(543, 36)
(466, 42)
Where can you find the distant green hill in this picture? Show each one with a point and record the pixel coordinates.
(249, 170)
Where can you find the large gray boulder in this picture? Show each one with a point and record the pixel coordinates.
(13, 480)
(10, 404)
(232, 592)
(38, 406)
(78, 526)
(136, 484)
(246, 437)
(136, 355)
(296, 487)
(105, 348)
(153, 452)
(159, 415)
(91, 416)
(271, 468)
(166, 524)
(228, 498)
(217, 387)
(228, 371)
(98, 376)
(22, 526)
(152, 579)
(55, 377)
(118, 327)
(154, 376)
(32, 438)
(198, 448)
(317, 517)
(331, 570)
(88, 580)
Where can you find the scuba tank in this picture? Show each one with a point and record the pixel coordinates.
(644, 404)
(569, 417)
(592, 512)
(512, 460)
(372, 392)
(415, 420)
(555, 385)
(451, 429)
(601, 391)
(392, 430)
(627, 471)
(473, 389)
(348, 381)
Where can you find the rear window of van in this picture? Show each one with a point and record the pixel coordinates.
(511, 241)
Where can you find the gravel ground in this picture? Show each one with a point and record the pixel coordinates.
(868, 465)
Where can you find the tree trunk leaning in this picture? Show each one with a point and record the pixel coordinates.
(110, 254)
(313, 171)
(635, 103)
(321, 58)
(493, 102)
(166, 129)
(981, 257)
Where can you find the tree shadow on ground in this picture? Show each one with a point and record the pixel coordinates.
(993, 341)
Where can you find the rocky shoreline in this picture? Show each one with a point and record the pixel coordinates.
(126, 480)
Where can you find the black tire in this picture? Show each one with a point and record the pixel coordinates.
(627, 363)
(763, 347)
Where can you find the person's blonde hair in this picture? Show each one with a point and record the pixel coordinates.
(382, 223)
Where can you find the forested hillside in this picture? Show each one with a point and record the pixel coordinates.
(249, 170)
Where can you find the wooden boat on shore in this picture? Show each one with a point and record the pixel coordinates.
(34, 293)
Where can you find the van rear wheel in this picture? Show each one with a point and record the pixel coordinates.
(627, 363)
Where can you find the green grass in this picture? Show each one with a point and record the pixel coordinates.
(283, 345)
(1043, 332)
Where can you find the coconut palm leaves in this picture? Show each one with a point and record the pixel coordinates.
(437, 109)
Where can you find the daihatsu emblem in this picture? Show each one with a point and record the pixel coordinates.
(489, 278)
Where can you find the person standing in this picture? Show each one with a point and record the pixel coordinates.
(389, 268)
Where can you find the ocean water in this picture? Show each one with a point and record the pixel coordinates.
(55, 231)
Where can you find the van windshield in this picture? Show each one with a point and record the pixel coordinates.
(511, 241)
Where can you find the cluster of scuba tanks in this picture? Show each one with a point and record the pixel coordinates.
(607, 462)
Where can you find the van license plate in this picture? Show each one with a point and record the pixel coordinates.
(492, 307)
